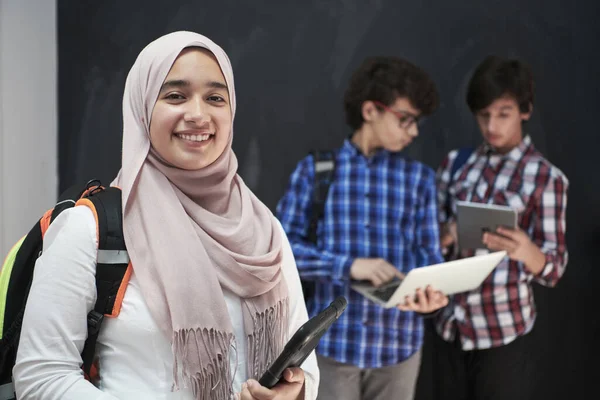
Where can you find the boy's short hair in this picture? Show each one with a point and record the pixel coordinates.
(386, 79)
(497, 77)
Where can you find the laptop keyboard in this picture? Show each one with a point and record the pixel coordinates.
(386, 291)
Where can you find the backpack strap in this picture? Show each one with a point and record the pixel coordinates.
(461, 158)
(112, 267)
(69, 198)
(324, 165)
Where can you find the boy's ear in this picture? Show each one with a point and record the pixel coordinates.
(369, 110)
(527, 115)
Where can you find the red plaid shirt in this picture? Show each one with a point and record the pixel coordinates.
(503, 308)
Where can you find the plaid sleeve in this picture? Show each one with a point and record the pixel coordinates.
(428, 227)
(549, 230)
(294, 210)
(442, 181)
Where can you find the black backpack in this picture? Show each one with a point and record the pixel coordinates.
(324, 165)
(111, 278)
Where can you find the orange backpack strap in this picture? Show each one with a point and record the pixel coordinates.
(113, 268)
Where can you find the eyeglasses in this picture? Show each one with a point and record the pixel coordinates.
(405, 118)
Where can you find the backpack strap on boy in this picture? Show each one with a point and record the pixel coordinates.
(462, 157)
(324, 165)
(112, 270)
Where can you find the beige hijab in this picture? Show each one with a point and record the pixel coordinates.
(191, 233)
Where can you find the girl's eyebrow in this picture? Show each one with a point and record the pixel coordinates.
(182, 83)
(216, 85)
(176, 83)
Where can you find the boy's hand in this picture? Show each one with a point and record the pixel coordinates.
(427, 301)
(448, 236)
(519, 247)
(376, 270)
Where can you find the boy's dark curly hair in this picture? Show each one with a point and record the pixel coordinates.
(386, 79)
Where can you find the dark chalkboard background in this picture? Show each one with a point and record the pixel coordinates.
(292, 60)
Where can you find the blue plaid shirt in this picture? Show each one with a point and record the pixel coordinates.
(385, 207)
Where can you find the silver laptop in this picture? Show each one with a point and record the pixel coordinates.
(450, 277)
(473, 219)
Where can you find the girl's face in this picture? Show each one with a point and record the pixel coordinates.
(191, 121)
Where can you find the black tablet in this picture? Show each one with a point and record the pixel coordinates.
(303, 342)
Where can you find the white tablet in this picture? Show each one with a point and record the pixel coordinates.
(450, 277)
(473, 219)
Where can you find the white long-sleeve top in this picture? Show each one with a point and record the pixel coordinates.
(135, 357)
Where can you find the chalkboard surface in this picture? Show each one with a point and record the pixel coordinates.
(292, 61)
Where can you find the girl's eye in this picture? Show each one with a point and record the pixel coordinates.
(174, 96)
(217, 99)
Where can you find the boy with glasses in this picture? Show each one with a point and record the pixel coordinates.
(379, 222)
